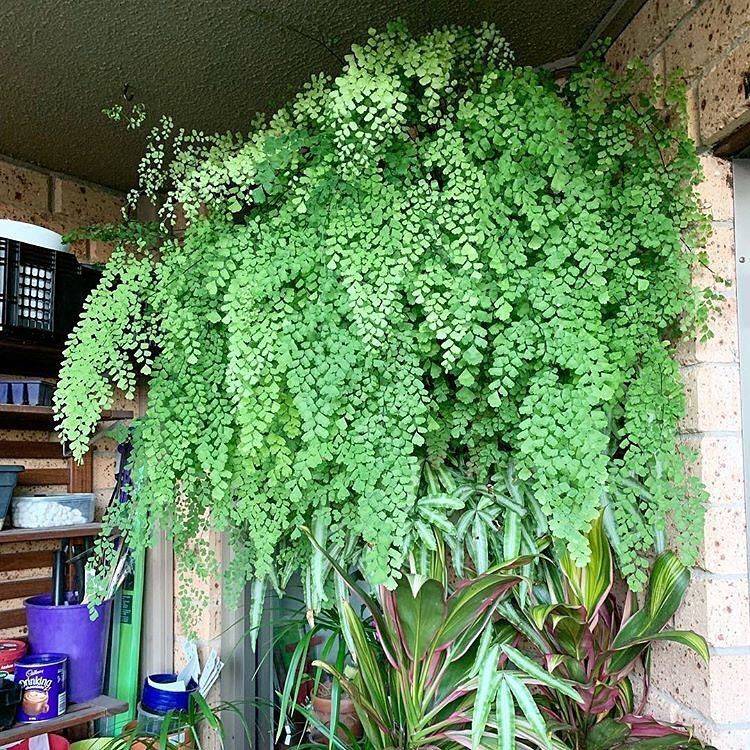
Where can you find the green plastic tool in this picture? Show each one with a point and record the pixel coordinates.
(125, 645)
(125, 642)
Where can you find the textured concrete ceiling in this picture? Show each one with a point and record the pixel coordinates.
(212, 64)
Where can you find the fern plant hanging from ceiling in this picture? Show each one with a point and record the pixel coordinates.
(436, 256)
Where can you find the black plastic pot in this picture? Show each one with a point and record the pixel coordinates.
(8, 478)
(10, 699)
(17, 391)
(38, 393)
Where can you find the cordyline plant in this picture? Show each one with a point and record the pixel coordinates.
(434, 258)
(551, 667)
(431, 677)
(579, 630)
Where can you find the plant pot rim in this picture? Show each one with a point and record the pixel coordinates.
(324, 704)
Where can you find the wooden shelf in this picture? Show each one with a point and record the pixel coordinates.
(77, 713)
(30, 359)
(56, 532)
(21, 417)
(18, 588)
(37, 477)
(25, 417)
(31, 449)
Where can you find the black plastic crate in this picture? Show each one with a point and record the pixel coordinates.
(40, 292)
(90, 277)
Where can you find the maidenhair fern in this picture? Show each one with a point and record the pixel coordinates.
(434, 257)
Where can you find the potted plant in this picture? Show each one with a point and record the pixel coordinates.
(343, 717)
(586, 635)
(434, 256)
(179, 730)
(426, 672)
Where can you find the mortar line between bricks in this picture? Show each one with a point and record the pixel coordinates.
(62, 175)
(725, 292)
(721, 365)
(715, 62)
(729, 650)
(692, 713)
(710, 434)
(685, 19)
(698, 574)
(698, 716)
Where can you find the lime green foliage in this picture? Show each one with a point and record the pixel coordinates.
(436, 256)
(132, 116)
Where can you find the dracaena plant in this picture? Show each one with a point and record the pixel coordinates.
(432, 672)
(481, 523)
(463, 526)
(578, 628)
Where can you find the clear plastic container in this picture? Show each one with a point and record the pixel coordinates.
(151, 724)
(45, 511)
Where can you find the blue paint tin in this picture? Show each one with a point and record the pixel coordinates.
(44, 681)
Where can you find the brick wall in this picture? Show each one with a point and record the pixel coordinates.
(207, 627)
(59, 203)
(709, 42)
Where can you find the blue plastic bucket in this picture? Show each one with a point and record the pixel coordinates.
(158, 701)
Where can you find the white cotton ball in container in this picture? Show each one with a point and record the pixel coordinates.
(52, 510)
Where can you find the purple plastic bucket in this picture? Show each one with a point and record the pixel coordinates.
(69, 630)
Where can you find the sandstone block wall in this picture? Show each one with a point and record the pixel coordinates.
(709, 42)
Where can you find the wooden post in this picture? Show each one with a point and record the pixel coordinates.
(81, 476)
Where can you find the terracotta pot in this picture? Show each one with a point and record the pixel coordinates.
(322, 708)
(149, 744)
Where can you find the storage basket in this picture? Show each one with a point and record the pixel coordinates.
(8, 479)
(41, 285)
(10, 699)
